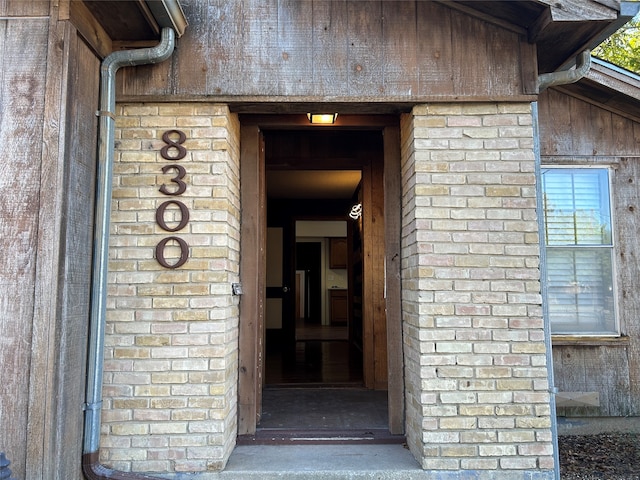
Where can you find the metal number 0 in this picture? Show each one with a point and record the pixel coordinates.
(184, 252)
(184, 216)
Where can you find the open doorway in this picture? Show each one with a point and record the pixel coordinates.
(323, 324)
(320, 350)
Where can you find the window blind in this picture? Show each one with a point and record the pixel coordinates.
(577, 207)
(580, 287)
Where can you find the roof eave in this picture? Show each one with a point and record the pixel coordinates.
(168, 13)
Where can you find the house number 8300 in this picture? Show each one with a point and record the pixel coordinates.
(173, 150)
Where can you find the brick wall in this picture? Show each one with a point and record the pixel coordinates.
(476, 374)
(170, 374)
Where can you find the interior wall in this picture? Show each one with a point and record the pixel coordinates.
(273, 306)
(321, 231)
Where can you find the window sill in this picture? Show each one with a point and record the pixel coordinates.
(576, 340)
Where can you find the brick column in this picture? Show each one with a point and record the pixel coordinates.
(476, 376)
(170, 382)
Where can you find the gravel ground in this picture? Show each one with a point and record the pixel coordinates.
(610, 456)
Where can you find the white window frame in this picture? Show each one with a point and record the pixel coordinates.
(612, 248)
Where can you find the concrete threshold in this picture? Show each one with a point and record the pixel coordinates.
(280, 436)
(343, 462)
(348, 462)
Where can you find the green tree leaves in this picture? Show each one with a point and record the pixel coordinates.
(623, 47)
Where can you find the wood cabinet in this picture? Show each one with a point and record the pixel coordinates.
(338, 253)
(338, 307)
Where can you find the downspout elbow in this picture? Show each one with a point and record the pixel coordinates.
(564, 77)
(130, 58)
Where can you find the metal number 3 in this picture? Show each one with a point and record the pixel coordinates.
(182, 186)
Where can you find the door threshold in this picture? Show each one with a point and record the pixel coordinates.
(283, 436)
(357, 385)
(321, 462)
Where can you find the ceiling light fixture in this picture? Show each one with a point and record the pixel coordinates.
(322, 118)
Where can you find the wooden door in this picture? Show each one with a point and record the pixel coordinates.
(280, 301)
(253, 275)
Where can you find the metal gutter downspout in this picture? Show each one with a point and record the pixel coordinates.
(546, 80)
(543, 291)
(563, 77)
(93, 406)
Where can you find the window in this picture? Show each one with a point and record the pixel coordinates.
(579, 246)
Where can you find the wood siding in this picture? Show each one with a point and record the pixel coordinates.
(627, 209)
(572, 127)
(288, 50)
(76, 242)
(576, 132)
(595, 368)
(22, 100)
(48, 130)
(22, 8)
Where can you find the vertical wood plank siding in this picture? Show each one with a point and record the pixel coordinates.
(22, 8)
(21, 122)
(292, 50)
(627, 208)
(575, 132)
(76, 242)
(572, 127)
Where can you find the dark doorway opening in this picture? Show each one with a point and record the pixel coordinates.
(276, 166)
(308, 339)
(308, 256)
(314, 377)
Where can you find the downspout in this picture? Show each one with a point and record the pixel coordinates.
(93, 406)
(546, 80)
(543, 291)
(563, 77)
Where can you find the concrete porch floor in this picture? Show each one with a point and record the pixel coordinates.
(322, 461)
(343, 462)
(379, 462)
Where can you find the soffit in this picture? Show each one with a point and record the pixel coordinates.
(125, 21)
(560, 28)
(609, 87)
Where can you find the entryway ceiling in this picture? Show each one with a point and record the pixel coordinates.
(312, 184)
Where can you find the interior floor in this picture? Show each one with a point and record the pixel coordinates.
(317, 387)
(321, 356)
(314, 362)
